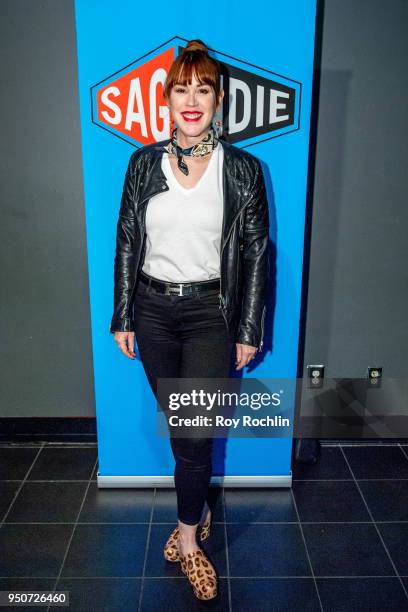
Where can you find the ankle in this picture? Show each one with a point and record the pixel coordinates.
(187, 538)
(187, 545)
(187, 533)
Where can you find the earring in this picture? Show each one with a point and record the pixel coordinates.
(217, 125)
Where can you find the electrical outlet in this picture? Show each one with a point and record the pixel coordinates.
(374, 376)
(315, 375)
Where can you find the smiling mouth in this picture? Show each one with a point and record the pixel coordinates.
(191, 117)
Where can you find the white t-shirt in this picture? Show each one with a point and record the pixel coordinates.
(183, 226)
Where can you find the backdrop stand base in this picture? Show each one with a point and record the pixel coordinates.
(106, 482)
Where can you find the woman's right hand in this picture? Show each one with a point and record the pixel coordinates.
(126, 343)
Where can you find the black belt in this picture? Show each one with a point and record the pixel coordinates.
(179, 288)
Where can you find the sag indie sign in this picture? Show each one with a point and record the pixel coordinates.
(133, 103)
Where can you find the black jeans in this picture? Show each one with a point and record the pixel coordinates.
(184, 337)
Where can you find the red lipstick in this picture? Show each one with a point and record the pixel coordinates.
(191, 116)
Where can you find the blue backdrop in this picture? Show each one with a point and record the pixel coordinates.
(124, 50)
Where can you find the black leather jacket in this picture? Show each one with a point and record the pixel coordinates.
(244, 258)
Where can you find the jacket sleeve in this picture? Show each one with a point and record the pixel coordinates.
(255, 265)
(124, 269)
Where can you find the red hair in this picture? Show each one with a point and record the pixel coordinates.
(194, 59)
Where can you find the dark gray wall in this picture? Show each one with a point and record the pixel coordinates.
(358, 273)
(46, 360)
(358, 283)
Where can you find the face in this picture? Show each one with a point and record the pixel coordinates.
(193, 107)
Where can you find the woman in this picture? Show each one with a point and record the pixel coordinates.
(191, 260)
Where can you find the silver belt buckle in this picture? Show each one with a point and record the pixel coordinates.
(175, 290)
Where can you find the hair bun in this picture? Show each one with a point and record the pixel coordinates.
(196, 45)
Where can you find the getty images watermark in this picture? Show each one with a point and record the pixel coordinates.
(329, 408)
(224, 407)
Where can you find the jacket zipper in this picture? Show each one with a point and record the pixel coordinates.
(222, 305)
(138, 261)
(143, 238)
(262, 329)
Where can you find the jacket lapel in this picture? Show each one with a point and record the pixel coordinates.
(154, 179)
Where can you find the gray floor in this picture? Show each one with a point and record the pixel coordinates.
(337, 541)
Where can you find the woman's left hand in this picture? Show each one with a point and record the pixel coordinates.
(245, 354)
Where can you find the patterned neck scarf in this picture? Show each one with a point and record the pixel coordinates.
(204, 147)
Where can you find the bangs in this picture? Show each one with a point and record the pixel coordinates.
(195, 64)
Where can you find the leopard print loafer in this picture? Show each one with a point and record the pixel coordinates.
(200, 573)
(171, 552)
